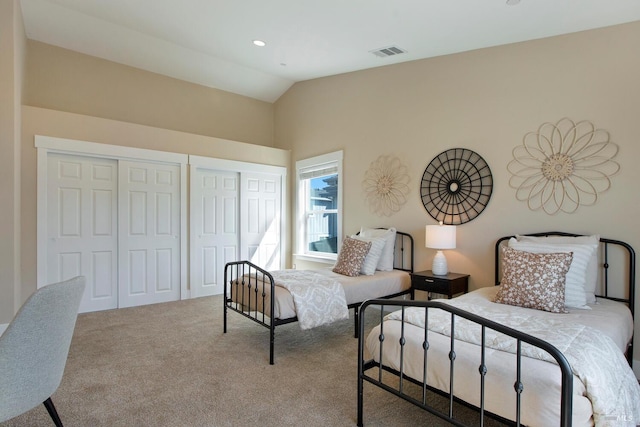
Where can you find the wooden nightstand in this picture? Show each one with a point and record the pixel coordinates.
(449, 285)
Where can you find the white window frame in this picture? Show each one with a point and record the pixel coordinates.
(306, 167)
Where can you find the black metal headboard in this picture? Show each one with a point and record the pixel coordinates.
(604, 246)
(403, 252)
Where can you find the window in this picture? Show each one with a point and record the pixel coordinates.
(319, 204)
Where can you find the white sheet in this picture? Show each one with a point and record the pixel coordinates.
(356, 289)
(542, 380)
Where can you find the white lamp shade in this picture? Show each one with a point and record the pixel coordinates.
(440, 236)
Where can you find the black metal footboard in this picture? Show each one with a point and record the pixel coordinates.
(365, 367)
(250, 291)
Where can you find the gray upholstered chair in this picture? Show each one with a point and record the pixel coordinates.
(35, 346)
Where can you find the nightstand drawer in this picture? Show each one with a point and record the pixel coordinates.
(431, 285)
(449, 285)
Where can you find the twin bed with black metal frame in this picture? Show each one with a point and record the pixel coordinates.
(544, 369)
(248, 289)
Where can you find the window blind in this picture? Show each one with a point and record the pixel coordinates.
(318, 171)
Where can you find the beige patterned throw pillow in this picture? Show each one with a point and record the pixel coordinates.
(574, 286)
(351, 256)
(534, 280)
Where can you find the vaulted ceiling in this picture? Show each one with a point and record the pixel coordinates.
(210, 42)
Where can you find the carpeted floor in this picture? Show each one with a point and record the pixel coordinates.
(171, 365)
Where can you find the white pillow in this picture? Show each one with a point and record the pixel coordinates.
(574, 291)
(375, 252)
(592, 269)
(385, 263)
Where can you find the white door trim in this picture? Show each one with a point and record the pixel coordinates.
(234, 165)
(74, 146)
(48, 144)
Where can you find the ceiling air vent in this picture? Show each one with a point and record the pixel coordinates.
(385, 52)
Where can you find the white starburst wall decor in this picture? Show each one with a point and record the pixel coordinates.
(386, 185)
(563, 166)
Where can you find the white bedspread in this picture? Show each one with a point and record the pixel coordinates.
(595, 359)
(319, 300)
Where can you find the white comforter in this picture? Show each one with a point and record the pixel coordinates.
(319, 300)
(609, 382)
(608, 388)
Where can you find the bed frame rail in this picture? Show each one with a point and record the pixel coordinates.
(246, 293)
(367, 366)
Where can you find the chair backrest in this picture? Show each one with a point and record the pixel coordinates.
(35, 346)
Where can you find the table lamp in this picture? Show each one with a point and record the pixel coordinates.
(440, 237)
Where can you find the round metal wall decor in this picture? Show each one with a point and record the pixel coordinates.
(456, 186)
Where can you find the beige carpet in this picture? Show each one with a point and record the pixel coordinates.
(171, 365)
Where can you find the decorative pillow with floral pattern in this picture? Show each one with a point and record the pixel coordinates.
(351, 256)
(534, 280)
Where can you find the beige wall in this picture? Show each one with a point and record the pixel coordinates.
(60, 79)
(486, 101)
(12, 48)
(39, 121)
(483, 100)
(56, 92)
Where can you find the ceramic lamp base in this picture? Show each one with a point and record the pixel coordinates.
(439, 267)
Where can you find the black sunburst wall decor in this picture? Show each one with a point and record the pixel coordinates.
(456, 186)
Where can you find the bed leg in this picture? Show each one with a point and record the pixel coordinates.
(360, 401)
(360, 379)
(356, 314)
(224, 322)
(272, 340)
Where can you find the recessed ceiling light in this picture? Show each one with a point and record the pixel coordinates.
(259, 43)
(512, 2)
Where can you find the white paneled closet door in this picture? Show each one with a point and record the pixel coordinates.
(214, 222)
(260, 220)
(149, 233)
(236, 214)
(116, 215)
(82, 226)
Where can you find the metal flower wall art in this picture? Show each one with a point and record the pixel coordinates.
(385, 185)
(562, 166)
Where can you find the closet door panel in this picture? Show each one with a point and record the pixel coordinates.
(214, 228)
(260, 219)
(149, 233)
(81, 226)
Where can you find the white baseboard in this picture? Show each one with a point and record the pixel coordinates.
(3, 326)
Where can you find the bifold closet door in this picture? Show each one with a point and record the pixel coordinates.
(149, 233)
(82, 236)
(214, 222)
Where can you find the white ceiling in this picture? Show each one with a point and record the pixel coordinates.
(209, 42)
